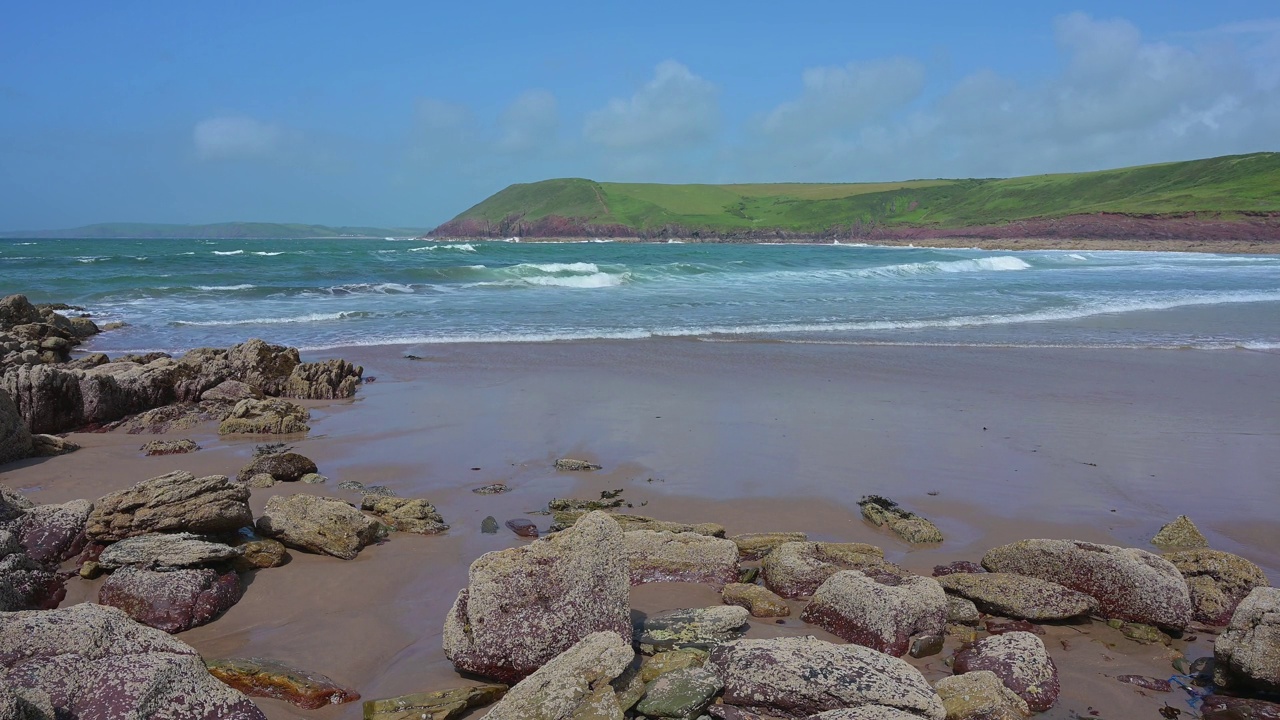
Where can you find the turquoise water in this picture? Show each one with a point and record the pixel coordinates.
(179, 294)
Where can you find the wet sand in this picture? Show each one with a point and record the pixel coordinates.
(1102, 445)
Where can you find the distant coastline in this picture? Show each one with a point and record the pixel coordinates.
(212, 231)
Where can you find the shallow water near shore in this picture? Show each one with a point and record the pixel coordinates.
(1092, 444)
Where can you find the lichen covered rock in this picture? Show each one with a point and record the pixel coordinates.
(878, 610)
(566, 518)
(284, 467)
(266, 416)
(171, 601)
(261, 677)
(166, 551)
(1021, 662)
(175, 502)
(759, 601)
(1180, 534)
(405, 514)
(680, 557)
(1217, 581)
(573, 684)
(53, 533)
(318, 524)
(796, 569)
(980, 695)
(753, 546)
(1248, 654)
(1018, 596)
(698, 628)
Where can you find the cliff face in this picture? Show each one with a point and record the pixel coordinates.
(1261, 227)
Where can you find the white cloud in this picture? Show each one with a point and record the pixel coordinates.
(675, 108)
(836, 99)
(529, 123)
(235, 136)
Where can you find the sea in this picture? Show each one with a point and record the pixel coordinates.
(174, 295)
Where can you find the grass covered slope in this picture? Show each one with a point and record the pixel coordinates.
(1236, 188)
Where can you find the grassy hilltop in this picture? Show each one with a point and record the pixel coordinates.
(1240, 188)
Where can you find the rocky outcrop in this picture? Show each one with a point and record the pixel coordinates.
(318, 524)
(697, 628)
(1248, 654)
(283, 467)
(171, 601)
(256, 363)
(169, 447)
(405, 514)
(980, 695)
(48, 398)
(753, 546)
(796, 569)
(759, 601)
(327, 380)
(1018, 596)
(260, 553)
(1129, 584)
(962, 611)
(1021, 662)
(15, 438)
(573, 465)
(680, 557)
(164, 551)
(51, 446)
(1180, 534)
(566, 519)
(1226, 707)
(525, 605)
(25, 584)
(573, 684)
(174, 502)
(53, 533)
(878, 610)
(93, 663)
(680, 694)
(796, 677)
(269, 416)
(231, 391)
(179, 417)
(260, 677)
(1217, 581)
(905, 524)
(436, 705)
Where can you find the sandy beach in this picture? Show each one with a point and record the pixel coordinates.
(992, 444)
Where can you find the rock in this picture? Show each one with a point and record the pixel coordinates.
(232, 391)
(113, 390)
(1217, 581)
(760, 602)
(586, 505)
(53, 533)
(171, 601)
(326, 380)
(24, 704)
(174, 502)
(522, 527)
(165, 551)
(47, 398)
(258, 554)
(980, 695)
(729, 712)
(796, 569)
(438, 705)
(169, 447)
(680, 557)
(799, 676)
(1146, 683)
(51, 446)
(1128, 584)
(906, 525)
(926, 645)
(878, 610)
(525, 605)
(1180, 534)
(699, 628)
(1018, 596)
(571, 465)
(351, 485)
(405, 514)
(1247, 655)
(318, 524)
(866, 712)
(680, 694)
(260, 481)
(313, 479)
(95, 663)
(1021, 662)
(377, 491)
(489, 525)
(573, 684)
(267, 416)
(175, 418)
(284, 467)
(1137, 632)
(1000, 626)
(17, 310)
(24, 583)
(962, 611)
(753, 546)
(1224, 707)
(962, 633)
(492, 489)
(256, 363)
(15, 438)
(258, 677)
(566, 519)
(662, 663)
(12, 503)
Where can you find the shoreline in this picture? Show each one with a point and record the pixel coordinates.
(758, 437)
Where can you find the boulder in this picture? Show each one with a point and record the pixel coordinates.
(962, 611)
(572, 465)
(657, 665)
(680, 557)
(259, 677)
(522, 527)
(260, 553)
(958, 566)
(171, 601)
(284, 467)
(83, 327)
(796, 569)
(1180, 534)
(318, 524)
(523, 606)
(1247, 655)
(698, 628)
(166, 551)
(1129, 584)
(53, 533)
(94, 663)
(327, 380)
(866, 712)
(566, 518)
(1021, 662)
(256, 363)
(231, 391)
(878, 610)
(15, 438)
(51, 446)
(260, 481)
(266, 416)
(48, 398)
(437, 705)
(906, 525)
(799, 676)
(179, 417)
(680, 694)
(13, 504)
(25, 584)
(169, 447)
(1217, 581)
(1018, 596)
(753, 546)
(573, 684)
(17, 310)
(980, 695)
(759, 601)
(113, 390)
(174, 502)
(1225, 707)
(405, 514)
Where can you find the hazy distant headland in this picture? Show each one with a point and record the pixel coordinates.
(1231, 202)
(216, 231)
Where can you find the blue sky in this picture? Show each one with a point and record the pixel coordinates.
(406, 113)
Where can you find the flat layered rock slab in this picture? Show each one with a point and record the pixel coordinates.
(259, 677)
(1018, 596)
(436, 705)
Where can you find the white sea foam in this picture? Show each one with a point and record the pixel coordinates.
(228, 252)
(268, 254)
(594, 280)
(313, 317)
(575, 267)
(215, 288)
(1077, 256)
(459, 247)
